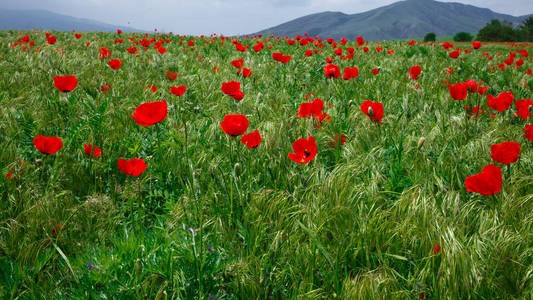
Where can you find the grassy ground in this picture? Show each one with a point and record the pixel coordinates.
(210, 218)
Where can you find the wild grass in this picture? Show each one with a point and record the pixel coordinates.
(210, 218)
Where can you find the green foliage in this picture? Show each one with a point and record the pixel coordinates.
(210, 217)
(527, 29)
(505, 31)
(463, 37)
(430, 37)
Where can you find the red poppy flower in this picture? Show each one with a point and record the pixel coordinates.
(486, 183)
(320, 118)
(374, 110)
(482, 90)
(519, 62)
(502, 102)
(454, 54)
(105, 88)
(104, 53)
(472, 86)
(277, 56)
(132, 167)
(332, 71)
(340, 142)
(66, 83)
(172, 75)
(375, 71)
(509, 61)
(47, 145)
(132, 50)
(379, 49)
(350, 73)
(304, 150)
(365, 49)
(51, 40)
(309, 109)
(415, 71)
(115, 63)
(91, 150)
(238, 63)
(234, 125)
(245, 72)
(77, 35)
(308, 52)
(153, 88)
(506, 152)
(150, 113)
(285, 59)
(360, 41)
(178, 91)
(447, 45)
(522, 107)
(238, 96)
(231, 88)
(436, 249)
(258, 47)
(251, 140)
(411, 43)
(528, 132)
(9, 175)
(459, 91)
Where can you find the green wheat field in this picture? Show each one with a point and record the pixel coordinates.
(384, 214)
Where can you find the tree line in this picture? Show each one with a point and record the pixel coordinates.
(496, 31)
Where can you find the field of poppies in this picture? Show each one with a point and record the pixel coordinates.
(159, 166)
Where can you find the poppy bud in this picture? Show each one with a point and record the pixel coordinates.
(196, 109)
(421, 142)
(38, 162)
(350, 103)
(237, 169)
(138, 267)
(370, 112)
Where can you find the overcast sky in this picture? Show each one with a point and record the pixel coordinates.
(227, 17)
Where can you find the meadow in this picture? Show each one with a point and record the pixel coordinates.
(339, 198)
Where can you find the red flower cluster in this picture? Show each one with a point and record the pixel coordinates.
(233, 89)
(278, 56)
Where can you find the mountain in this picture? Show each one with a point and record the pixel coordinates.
(401, 20)
(42, 19)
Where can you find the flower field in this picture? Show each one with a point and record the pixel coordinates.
(159, 166)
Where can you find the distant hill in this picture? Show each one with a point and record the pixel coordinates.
(42, 19)
(400, 20)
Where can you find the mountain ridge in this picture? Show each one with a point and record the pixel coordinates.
(11, 19)
(399, 20)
